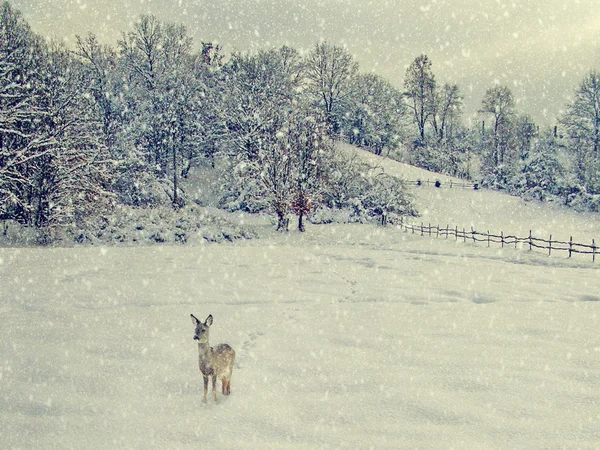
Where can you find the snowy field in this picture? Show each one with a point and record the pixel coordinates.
(347, 336)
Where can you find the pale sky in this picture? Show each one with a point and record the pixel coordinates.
(540, 49)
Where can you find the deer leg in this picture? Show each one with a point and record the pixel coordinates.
(224, 385)
(205, 387)
(214, 386)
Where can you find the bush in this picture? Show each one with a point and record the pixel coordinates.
(130, 225)
(358, 192)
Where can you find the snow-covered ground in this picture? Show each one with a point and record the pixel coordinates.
(487, 210)
(347, 336)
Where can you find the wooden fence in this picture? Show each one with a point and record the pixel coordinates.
(530, 241)
(446, 184)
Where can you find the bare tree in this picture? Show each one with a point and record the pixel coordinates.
(307, 137)
(446, 107)
(419, 85)
(100, 64)
(330, 70)
(499, 102)
(22, 143)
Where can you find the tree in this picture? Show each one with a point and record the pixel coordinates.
(419, 85)
(22, 142)
(542, 171)
(306, 135)
(581, 122)
(100, 65)
(276, 181)
(374, 114)
(365, 192)
(446, 109)
(69, 183)
(330, 71)
(165, 96)
(257, 90)
(261, 93)
(53, 169)
(499, 102)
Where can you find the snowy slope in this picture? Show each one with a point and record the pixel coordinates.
(487, 210)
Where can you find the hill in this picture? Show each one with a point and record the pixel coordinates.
(485, 210)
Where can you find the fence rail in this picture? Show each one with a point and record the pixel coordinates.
(447, 184)
(504, 240)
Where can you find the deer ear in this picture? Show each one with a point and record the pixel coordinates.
(209, 320)
(194, 320)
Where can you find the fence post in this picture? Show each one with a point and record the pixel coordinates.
(593, 251)
(570, 245)
(456, 232)
(488, 236)
(464, 235)
(447, 230)
(550, 245)
(502, 238)
(473, 234)
(430, 229)
(437, 232)
(530, 240)
(422, 233)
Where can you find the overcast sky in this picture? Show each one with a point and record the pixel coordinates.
(540, 49)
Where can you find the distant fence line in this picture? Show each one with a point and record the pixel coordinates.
(505, 240)
(438, 184)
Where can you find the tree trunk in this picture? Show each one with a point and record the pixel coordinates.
(282, 222)
(301, 223)
(175, 177)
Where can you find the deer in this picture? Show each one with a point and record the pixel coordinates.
(213, 362)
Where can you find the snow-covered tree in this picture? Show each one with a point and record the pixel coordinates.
(22, 142)
(364, 191)
(258, 89)
(419, 87)
(100, 65)
(374, 114)
(499, 102)
(306, 135)
(581, 122)
(446, 107)
(71, 181)
(166, 97)
(542, 171)
(330, 72)
(53, 166)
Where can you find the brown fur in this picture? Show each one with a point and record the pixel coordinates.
(213, 362)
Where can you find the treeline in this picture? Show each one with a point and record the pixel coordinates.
(85, 130)
(505, 149)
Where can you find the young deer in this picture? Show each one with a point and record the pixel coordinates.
(213, 362)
